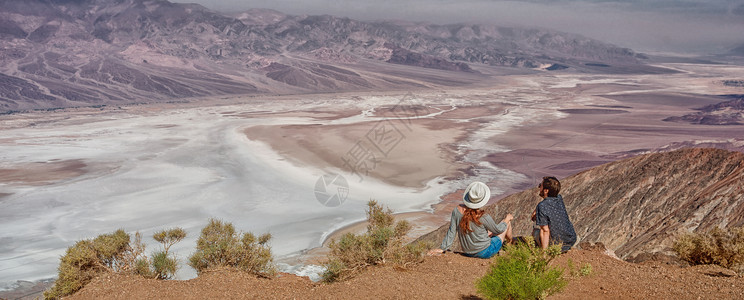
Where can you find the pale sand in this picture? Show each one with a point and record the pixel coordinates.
(422, 149)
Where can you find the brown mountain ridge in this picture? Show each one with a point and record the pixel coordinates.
(637, 206)
(102, 52)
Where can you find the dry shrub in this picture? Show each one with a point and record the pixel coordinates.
(161, 265)
(88, 258)
(721, 247)
(584, 270)
(164, 264)
(169, 237)
(381, 244)
(221, 246)
(113, 252)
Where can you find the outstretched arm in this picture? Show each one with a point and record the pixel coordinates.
(449, 238)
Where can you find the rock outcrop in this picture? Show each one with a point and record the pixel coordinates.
(729, 112)
(641, 204)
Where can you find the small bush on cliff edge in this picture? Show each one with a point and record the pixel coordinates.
(522, 273)
(721, 247)
(88, 258)
(220, 246)
(164, 265)
(113, 252)
(382, 243)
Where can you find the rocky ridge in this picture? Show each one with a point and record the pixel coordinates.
(637, 206)
(729, 112)
(102, 52)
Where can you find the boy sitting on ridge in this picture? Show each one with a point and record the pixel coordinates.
(551, 218)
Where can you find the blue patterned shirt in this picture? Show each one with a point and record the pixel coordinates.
(552, 212)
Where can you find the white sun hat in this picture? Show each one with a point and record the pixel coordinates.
(476, 195)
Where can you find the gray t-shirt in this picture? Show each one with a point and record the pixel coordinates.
(476, 240)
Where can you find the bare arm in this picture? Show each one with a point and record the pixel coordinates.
(544, 236)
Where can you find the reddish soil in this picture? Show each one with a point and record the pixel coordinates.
(448, 276)
(615, 279)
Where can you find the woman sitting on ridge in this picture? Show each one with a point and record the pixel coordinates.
(478, 233)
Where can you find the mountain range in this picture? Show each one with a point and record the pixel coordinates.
(62, 53)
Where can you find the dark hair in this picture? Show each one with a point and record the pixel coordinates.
(552, 184)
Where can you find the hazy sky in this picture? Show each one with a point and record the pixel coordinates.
(711, 26)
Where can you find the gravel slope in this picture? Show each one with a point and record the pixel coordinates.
(448, 276)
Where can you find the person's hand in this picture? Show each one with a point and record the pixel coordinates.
(534, 215)
(437, 251)
(508, 218)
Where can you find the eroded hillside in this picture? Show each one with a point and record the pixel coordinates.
(102, 52)
(639, 205)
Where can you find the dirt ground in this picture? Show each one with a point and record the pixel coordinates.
(448, 276)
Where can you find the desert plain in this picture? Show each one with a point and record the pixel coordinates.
(257, 161)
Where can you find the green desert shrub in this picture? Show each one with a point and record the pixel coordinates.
(169, 237)
(113, 252)
(142, 266)
(88, 258)
(221, 246)
(164, 264)
(717, 246)
(381, 244)
(584, 270)
(138, 263)
(523, 272)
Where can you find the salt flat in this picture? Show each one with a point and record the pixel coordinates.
(73, 174)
